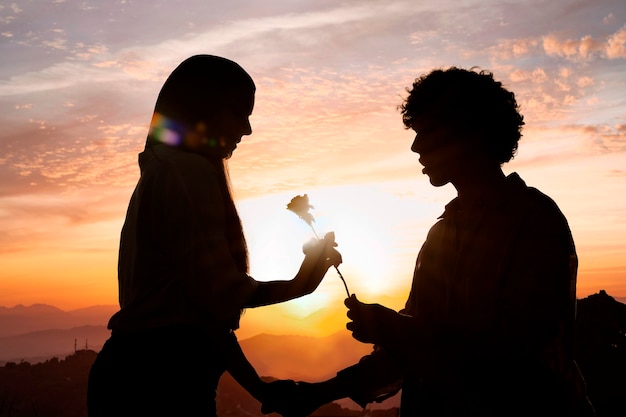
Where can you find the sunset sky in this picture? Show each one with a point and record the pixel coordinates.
(78, 81)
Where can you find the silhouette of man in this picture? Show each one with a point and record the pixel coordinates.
(487, 329)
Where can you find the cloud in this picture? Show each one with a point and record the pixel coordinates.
(87, 52)
(61, 152)
(587, 47)
(617, 173)
(548, 94)
(92, 61)
(47, 221)
(57, 77)
(508, 49)
(605, 138)
(583, 82)
(324, 85)
(609, 19)
(583, 50)
(554, 46)
(616, 45)
(8, 13)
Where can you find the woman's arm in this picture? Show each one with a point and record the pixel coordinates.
(214, 281)
(242, 370)
(318, 258)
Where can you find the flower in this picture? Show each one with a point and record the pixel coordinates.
(300, 205)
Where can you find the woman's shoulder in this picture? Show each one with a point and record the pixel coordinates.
(168, 159)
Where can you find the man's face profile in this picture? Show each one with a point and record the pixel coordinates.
(441, 150)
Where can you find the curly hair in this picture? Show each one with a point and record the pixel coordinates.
(468, 101)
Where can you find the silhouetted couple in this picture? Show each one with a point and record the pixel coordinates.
(487, 329)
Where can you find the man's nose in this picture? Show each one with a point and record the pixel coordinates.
(414, 146)
(247, 129)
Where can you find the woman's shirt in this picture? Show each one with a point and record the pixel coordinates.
(175, 267)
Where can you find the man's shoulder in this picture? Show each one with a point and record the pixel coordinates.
(519, 190)
(532, 203)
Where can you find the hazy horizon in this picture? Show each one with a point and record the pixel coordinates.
(321, 323)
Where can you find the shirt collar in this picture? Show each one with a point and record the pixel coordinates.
(514, 185)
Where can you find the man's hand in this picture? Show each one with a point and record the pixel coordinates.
(374, 323)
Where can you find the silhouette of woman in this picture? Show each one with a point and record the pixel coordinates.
(183, 262)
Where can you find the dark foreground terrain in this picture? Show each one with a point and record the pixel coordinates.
(57, 387)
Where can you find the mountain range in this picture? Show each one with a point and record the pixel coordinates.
(39, 332)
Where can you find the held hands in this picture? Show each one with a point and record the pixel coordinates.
(278, 398)
(291, 399)
(372, 323)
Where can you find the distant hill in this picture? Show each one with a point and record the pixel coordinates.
(301, 357)
(601, 352)
(25, 319)
(40, 345)
(54, 388)
(294, 357)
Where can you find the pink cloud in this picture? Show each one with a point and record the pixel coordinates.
(612, 47)
(514, 48)
(604, 137)
(616, 45)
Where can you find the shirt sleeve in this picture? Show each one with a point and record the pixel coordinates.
(374, 378)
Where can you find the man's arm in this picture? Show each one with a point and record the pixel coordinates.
(374, 378)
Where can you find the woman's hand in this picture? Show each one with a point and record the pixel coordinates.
(319, 256)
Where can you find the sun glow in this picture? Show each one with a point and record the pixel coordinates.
(370, 239)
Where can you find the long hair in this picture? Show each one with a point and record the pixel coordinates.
(194, 89)
(234, 230)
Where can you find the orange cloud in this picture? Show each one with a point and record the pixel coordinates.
(604, 137)
(508, 49)
(613, 47)
(616, 45)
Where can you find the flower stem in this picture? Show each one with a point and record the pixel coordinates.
(342, 280)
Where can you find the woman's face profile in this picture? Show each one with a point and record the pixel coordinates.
(224, 128)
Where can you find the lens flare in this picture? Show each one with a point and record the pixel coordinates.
(165, 130)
